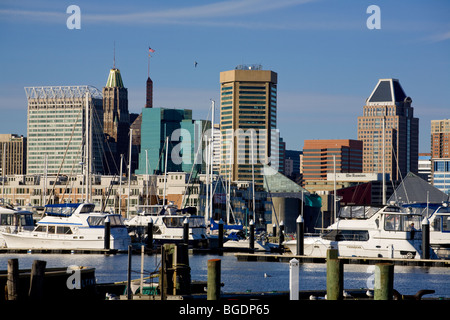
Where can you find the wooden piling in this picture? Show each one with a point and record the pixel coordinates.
(107, 237)
(36, 291)
(129, 293)
(425, 239)
(384, 281)
(252, 235)
(300, 235)
(183, 270)
(213, 281)
(281, 236)
(186, 231)
(335, 276)
(150, 234)
(220, 237)
(13, 279)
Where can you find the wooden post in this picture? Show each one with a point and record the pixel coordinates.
(107, 237)
(252, 235)
(335, 276)
(425, 239)
(281, 236)
(166, 282)
(213, 281)
(36, 291)
(183, 281)
(150, 234)
(300, 235)
(220, 237)
(186, 231)
(129, 293)
(384, 281)
(13, 279)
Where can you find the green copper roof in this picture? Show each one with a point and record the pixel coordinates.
(114, 79)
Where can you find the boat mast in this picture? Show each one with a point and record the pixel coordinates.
(120, 185)
(129, 174)
(211, 155)
(87, 149)
(253, 178)
(165, 170)
(384, 169)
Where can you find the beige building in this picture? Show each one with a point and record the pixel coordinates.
(13, 150)
(248, 108)
(108, 193)
(390, 108)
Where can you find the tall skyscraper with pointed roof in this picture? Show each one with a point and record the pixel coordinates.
(390, 108)
(116, 121)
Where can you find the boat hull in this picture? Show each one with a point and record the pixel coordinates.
(30, 241)
(317, 247)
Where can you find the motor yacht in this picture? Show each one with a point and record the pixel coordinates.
(71, 226)
(168, 224)
(368, 231)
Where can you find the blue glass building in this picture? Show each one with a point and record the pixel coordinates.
(184, 139)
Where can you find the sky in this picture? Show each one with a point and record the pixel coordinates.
(327, 59)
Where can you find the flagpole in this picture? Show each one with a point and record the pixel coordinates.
(148, 67)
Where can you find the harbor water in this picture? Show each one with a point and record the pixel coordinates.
(242, 276)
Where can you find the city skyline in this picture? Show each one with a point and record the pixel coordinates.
(326, 58)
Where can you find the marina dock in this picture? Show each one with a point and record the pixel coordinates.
(346, 260)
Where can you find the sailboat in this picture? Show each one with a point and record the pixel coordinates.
(167, 220)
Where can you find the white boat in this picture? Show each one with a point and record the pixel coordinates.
(13, 221)
(71, 226)
(368, 231)
(440, 231)
(168, 224)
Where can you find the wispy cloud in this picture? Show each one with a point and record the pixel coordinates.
(212, 14)
(440, 37)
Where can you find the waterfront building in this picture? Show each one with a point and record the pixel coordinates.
(424, 166)
(116, 121)
(292, 163)
(321, 157)
(248, 108)
(184, 135)
(441, 174)
(440, 138)
(56, 129)
(13, 151)
(390, 108)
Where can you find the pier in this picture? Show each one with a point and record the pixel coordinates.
(59, 251)
(346, 260)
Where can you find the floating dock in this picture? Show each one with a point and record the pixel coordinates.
(59, 251)
(346, 260)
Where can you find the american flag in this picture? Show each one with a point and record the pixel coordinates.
(150, 50)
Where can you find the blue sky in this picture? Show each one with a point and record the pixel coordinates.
(327, 60)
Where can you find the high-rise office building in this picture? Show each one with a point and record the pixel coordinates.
(14, 157)
(184, 135)
(116, 121)
(248, 109)
(388, 106)
(440, 154)
(321, 157)
(57, 129)
(440, 138)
